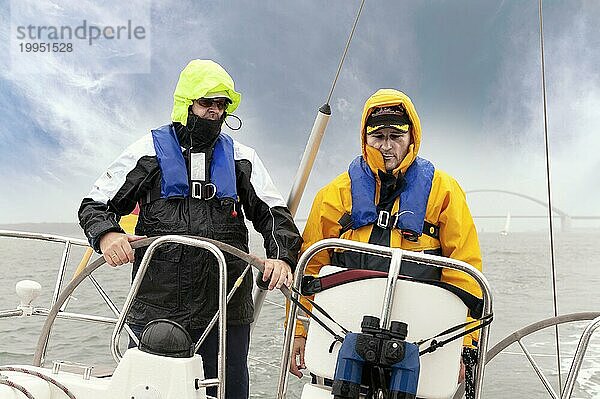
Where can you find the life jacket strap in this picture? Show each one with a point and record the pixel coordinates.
(383, 221)
(431, 230)
(346, 223)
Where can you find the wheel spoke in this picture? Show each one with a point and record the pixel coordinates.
(538, 371)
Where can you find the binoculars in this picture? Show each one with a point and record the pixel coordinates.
(376, 347)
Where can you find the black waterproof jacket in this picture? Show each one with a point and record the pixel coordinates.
(181, 282)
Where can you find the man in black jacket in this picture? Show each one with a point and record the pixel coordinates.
(189, 178)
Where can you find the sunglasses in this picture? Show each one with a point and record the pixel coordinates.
(220, 103)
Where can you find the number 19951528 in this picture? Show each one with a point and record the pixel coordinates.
(46, 47)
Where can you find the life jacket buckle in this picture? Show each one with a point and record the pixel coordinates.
(197, 190)
(204, 191)
(383, 219)
(210, 191)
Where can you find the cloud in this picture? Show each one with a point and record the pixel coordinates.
(515, 119)
(472, 70)
(69, 123)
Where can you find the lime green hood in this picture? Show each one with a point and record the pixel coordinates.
(199, 78)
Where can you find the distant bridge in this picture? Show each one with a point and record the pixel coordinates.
(565, 218)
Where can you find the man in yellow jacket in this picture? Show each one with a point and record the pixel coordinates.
(390, 196)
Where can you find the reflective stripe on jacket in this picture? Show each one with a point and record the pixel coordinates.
(181, 282)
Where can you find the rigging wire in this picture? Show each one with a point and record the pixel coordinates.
(549, 193)
(306, 165)
(275, 304)
(337, 74)
(313, 144)
(257, 360)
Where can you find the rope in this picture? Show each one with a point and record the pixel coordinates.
(18, 387)
(43, 377)
(323, 312)
(213, 321)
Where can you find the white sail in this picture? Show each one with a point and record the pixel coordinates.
(506, 229)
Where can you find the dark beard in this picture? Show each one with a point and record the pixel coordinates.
(199, 132)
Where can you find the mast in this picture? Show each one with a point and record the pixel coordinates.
(306, 164)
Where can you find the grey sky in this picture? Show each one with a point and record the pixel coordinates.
(472, 69)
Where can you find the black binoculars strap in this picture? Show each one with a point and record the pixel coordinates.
(336, 336)
(378, 377)
(483, 321)
(323, 312)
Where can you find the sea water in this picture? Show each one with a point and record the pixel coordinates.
(518, 267)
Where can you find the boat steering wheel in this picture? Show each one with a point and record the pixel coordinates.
(89, 269)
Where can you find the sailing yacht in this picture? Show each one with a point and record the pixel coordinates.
(143, 374)
(506, 228)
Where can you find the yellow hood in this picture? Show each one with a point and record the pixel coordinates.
(199, 78)
(383, 98)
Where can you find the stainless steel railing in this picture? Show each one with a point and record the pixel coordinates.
(396, 256)
(135, 285)
(120, 321)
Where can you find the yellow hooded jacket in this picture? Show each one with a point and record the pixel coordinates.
(446, 208)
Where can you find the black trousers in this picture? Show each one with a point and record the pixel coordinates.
(236, 370)
(469, 356)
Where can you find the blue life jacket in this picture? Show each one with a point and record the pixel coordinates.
(174, 173)
(413, 199)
